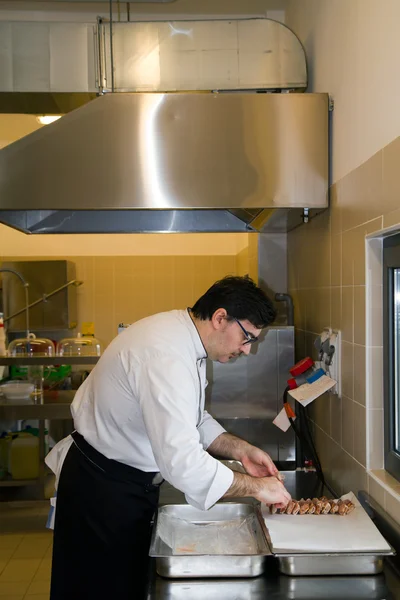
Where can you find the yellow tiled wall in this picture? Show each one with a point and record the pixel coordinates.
(127, 288)
(247, 259)
(242, 262)
(326, 263)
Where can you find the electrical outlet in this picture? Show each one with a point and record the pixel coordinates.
(328, 346)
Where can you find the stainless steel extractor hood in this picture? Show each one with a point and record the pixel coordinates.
(170, 162)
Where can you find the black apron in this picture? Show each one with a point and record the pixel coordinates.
(102, 527)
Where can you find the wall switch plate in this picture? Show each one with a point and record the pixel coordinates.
(331, 363)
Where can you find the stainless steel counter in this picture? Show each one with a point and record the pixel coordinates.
(273, 585)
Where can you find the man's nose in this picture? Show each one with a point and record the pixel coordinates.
(246, 349)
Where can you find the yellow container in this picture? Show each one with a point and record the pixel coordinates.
(23, 457)
(4, 448)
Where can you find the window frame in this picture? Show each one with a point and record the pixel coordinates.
(391, 261)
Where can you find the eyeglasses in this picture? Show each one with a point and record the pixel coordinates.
(250, 338)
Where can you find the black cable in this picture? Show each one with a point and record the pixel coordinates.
(304, 435)
(306, 425)
(305, 429)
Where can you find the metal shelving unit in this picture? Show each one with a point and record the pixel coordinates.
(8, 361)
(17, 482)
(53, 408)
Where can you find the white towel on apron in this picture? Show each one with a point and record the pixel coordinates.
(54, 460)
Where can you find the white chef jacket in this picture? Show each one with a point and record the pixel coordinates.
(143, 405)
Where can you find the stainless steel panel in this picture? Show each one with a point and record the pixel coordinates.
(331, 564)
(31, 57)
(272, 262)
(278, 588)
(227, 54)
(146, 221)
(246, 394)
(47, 360)
(42, 57)
(286, 359)
(174, 151)
(232, 565)
(219, 512)
(112, 221)
(58, 312)
(281, 220)
(6, 67)
(71, 48)
(130, 1)
(328, 588)
(272, 269)
(209, 590)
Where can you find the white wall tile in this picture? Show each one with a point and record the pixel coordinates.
(375, 448)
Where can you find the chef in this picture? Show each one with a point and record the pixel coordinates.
(139, 418)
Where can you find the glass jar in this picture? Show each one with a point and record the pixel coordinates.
(79, 346)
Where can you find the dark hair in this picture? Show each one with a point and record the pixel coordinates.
(241, 298)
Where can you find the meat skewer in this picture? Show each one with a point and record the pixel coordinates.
(316, 506)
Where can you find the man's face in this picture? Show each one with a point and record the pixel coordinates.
(229, 339)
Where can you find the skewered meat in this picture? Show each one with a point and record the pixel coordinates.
(311, 510)
(304, 507)
(335, 507)
(316, 506)
(326, 507)
(350, 506)
(289, 508)
(296, 508)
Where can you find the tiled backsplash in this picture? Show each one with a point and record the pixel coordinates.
(127, 288)
(327, 279)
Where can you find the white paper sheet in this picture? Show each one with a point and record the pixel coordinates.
(282, 420)
(325, 533)
(308, 392)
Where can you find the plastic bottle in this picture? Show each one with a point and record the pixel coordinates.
(5, 441)
(23, 459)
(35, 431)
(3, 343)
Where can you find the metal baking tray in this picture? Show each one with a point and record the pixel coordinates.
(297, 565)
(301, 588)
(210, 565)
(211, 589)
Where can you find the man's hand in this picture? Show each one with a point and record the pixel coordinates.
(258, 463)
(255, 461)
(265, 489)
(273, 491)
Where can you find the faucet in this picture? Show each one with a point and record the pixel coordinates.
(26, 285)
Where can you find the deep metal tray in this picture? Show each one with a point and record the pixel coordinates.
(210, 565)
(297, 565)
(301, 588)
(303, 564)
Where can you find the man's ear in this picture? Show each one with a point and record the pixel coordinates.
(218, 319)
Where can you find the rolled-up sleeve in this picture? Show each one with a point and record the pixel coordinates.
(209, 430)
(169, 405)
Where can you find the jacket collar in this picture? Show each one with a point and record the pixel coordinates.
(201, 352)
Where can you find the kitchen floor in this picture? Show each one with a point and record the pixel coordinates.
(25, 551)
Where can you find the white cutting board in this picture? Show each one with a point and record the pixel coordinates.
(325, 533)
